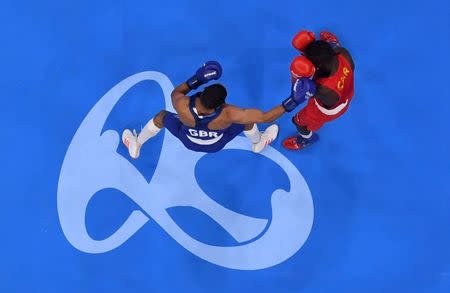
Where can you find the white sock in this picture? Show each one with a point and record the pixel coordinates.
(149, 131)
(253, 134)
(306, 135)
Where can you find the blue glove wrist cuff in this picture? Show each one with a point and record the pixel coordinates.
(289, 104)
(193, 82)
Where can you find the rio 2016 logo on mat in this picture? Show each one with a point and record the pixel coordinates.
(92, 164)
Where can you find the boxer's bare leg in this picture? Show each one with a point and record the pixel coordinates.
(251, 131)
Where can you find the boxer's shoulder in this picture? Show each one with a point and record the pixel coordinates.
(228, 110)
(344, 52)
(232, 113)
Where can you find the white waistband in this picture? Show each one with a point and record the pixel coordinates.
(205, 141)
(331, 112)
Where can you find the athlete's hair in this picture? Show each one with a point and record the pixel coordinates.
(213, 96)
(322, 55)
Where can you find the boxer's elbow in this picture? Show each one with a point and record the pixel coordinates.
(269, 120)
(265, 117)
(175, 94)
(180, 90)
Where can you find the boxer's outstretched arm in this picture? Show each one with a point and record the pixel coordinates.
(301, 90)
(248, 116)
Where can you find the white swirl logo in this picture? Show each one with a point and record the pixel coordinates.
(92, 164)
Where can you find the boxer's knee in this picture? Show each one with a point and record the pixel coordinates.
(159, 118)
(249, 126)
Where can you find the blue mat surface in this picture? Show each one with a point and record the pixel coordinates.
(366, 209)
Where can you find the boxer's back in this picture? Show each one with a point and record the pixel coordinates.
(207, 131)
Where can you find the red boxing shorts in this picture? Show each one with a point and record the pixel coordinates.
(314, 116)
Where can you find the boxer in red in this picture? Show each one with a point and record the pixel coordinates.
(331, 67)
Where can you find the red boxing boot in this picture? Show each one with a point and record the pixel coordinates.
(297, 142)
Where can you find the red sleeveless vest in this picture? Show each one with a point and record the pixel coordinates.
(341, 81)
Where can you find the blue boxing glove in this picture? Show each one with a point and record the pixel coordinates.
(208, 71)
(302, 89)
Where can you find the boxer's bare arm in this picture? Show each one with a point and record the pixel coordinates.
(248, 116)
(179, 94)
(180, 103)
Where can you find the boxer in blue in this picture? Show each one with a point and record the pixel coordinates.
(205, 123)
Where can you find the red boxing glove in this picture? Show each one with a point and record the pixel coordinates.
(302, 67)
(303, 39)
(330, 38)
